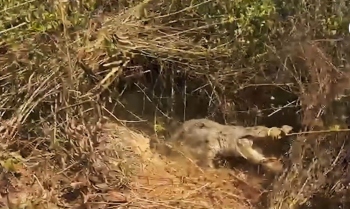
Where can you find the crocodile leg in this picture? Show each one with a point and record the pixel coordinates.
(246, 150)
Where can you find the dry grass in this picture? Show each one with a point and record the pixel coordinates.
(53, 102)
(66, 66)
(316, 169)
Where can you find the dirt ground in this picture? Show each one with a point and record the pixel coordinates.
(158, 181)
(180, 184)
(176, 182)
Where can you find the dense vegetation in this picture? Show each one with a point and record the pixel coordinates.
(65, 63)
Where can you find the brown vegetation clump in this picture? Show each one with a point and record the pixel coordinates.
(318, 161)
(84, 85)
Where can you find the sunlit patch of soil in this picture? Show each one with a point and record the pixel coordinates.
(181, 184)
(157, 182)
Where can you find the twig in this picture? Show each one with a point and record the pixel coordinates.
(317, 132)
(14, 27)
(279, 109)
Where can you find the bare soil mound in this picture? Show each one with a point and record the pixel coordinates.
(181, 185)
(36, 181)
(178, 183)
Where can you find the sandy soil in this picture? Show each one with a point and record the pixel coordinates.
(176, 182)
(158, 181)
